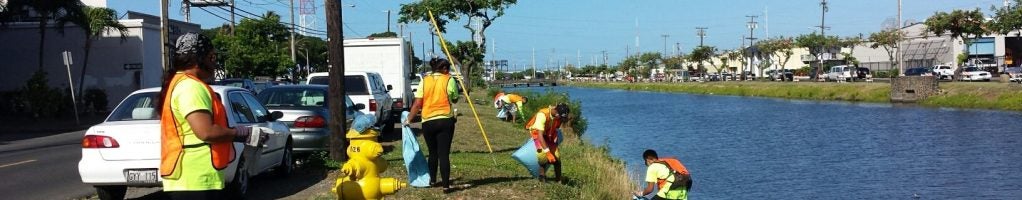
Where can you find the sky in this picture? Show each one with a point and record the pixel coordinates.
(578, 32)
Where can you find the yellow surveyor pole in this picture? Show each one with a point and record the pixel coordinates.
(451, 58)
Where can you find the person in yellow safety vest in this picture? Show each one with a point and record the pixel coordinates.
(668, 174)
(196, 142)
(543, 129)
(517, 101)
(434, 97)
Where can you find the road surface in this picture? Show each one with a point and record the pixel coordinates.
(43, 168)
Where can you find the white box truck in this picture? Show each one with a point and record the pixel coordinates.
(390, 58)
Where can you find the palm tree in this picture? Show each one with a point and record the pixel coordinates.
(44, 10)
(94, 22)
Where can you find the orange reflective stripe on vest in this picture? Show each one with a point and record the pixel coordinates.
(438, 103)
(222, 153)
(675, 166)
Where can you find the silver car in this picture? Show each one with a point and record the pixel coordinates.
(306, 113)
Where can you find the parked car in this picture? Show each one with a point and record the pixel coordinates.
(366, 88)
(944, 72)
(782, 74)
(124, 150)
(975, 74)
(840, 73)
(306, 113)
(237, 82)
(919, 71)
(862, 73)
(1014, 74)
(415, 83)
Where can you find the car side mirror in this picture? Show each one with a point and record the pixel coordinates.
(389, 87)
(275, 115)
(360, 106)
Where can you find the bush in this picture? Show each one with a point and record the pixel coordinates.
(95, 98)
(12, 102)
(39, 97)
(538, 101)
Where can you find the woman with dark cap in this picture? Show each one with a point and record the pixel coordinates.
(434, 97)
(196, 142)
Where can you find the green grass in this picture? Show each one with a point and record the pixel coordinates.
(590, 172)
(996, 96)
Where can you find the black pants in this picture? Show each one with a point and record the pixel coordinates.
(197, 195)
(438, 134)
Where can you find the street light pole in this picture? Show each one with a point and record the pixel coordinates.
(388, 20)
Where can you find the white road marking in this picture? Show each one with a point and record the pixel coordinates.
(17, 163)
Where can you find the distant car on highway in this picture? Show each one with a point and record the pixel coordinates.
(306, 113)
(975, 74)
(124, 150)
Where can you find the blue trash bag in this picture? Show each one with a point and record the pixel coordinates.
(415, 162)
(526, 155)
(502, 113)
(363, 122)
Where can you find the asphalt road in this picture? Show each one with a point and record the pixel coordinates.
(42, 168)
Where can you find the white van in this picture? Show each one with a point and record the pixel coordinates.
(390, 58)
(840, 73)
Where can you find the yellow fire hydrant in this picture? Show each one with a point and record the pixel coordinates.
(361, 174)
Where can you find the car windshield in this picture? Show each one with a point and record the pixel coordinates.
(232, 83)
(972, 69)
(293, 97)
(355, 85)
(139, 106)
(319, 80)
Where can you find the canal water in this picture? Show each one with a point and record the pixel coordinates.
(762, 148)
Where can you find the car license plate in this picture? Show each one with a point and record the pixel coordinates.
(141, 176)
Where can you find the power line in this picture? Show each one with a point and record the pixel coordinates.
(305, 29)
(211, 13)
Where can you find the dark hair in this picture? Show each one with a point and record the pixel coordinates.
(190, 49)
(525, 99)
(438, 64)
(649, 153)
(562, 110)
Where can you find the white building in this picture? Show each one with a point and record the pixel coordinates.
(116, 66)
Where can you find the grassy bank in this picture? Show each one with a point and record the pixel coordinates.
(590, 172)
(985, 95)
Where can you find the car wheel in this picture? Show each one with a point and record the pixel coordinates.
(238, 187)
(287, 162)
(111, 192)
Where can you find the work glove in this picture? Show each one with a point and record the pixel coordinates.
(243, 134)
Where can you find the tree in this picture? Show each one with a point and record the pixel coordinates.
(703, 54)
(817, 44)
(257, 48)
(960, 24)
(783, 49)
(470, 58)
(94, 22)
(733, 55)
(1007, 19)
(44, 10)
(888, 39)
(453, 10)
(383, 35)
(851, 43)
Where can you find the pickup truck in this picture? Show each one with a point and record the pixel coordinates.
(944, 72)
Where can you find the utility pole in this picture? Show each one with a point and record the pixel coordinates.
(232, 17)
(897, 48)
(388, 21)
(336, 70)
(534, 62)
(164, 34)
(292, 11)
(627, 51)
(823, 27)
(665, 43)
(752, 42)
(701, 32)
(604, 57)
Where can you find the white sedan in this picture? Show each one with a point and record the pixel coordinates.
(975, 74)
(124, 150)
